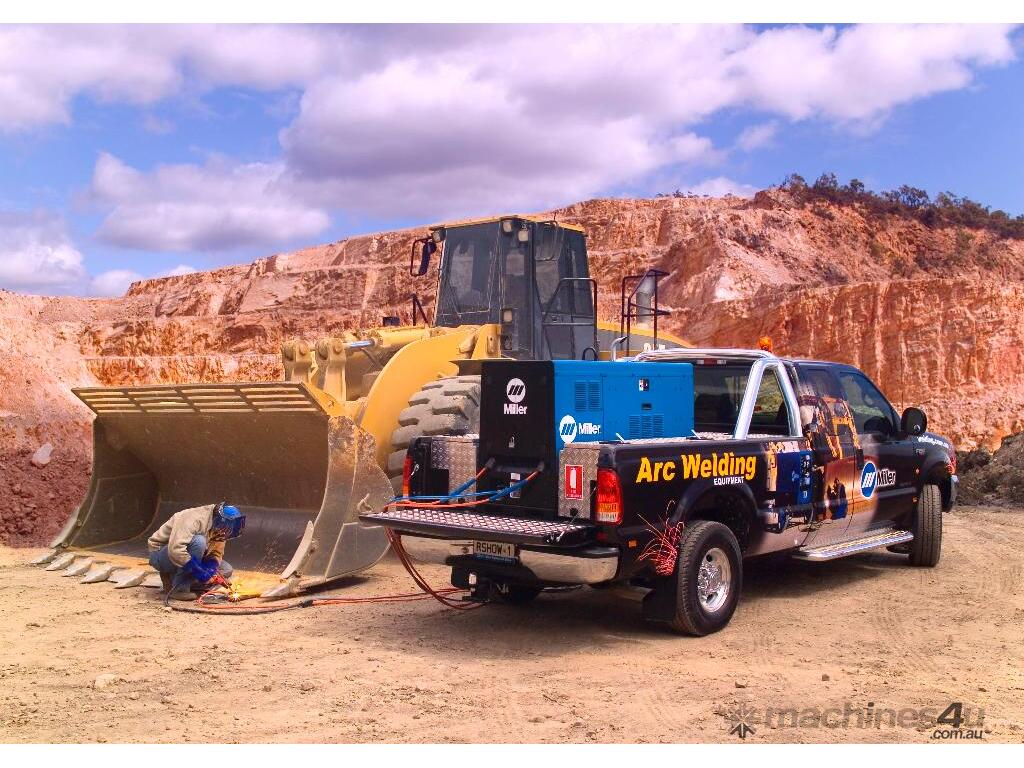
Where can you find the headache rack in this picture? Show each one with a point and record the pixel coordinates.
(450, 523)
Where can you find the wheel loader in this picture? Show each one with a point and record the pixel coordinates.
(303, 457)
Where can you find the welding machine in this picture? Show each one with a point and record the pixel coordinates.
(531, 410)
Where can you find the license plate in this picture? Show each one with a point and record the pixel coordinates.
(493, 550)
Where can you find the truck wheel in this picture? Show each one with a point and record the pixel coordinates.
(513, 594)
(442, 407)
(709, 572)
(926, 546)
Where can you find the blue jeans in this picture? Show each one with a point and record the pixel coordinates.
(161, 560)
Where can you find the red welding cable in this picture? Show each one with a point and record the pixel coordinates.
(439, 595)
(427, 593)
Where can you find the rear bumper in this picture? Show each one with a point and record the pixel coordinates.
(590, 565)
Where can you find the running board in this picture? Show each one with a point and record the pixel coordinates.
(877, 540)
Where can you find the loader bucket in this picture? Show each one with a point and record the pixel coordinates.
(300, 475)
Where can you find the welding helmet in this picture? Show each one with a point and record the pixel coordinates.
(228, 519)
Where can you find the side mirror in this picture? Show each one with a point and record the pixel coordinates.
(426, 248)
(913, 422)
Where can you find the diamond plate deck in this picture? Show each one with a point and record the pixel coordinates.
(449, 523)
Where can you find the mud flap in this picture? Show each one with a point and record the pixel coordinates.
(660, 603)
(298, 473)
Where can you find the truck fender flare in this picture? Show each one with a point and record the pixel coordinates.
(689, 501)
(935, 467)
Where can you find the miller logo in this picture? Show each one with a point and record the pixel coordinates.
(872, 478)
(569, 429)
(515, 391)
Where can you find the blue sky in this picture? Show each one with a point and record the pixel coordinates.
(141, 151)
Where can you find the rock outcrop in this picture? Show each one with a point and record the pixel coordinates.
(934, 315)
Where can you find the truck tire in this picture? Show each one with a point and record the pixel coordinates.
(442, 407)
(709, 575)
(926, 546)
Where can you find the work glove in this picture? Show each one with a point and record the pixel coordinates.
(203, 570)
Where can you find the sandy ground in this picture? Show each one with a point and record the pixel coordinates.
(573, 667)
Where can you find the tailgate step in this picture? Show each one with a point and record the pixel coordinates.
(477, 525)
(873, 540)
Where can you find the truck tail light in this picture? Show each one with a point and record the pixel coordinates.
(406, 475)
(609, 497)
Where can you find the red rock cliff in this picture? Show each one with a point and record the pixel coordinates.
(934, 315)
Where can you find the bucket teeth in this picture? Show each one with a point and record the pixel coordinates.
(46, 558)
(62, 562)
(99, 572)
(126, 578)
(80, 566)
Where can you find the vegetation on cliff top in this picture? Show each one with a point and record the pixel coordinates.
(946, 210)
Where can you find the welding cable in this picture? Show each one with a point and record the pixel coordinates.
(493, 496)
(200, 606)
(442, 596)
(458, 492)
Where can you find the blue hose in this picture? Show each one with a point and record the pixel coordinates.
(490, 495)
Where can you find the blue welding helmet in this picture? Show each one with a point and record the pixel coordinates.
(228, 519)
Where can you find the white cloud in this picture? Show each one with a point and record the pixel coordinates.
(114, 282)
(862, 72)
(36, 254)
(178, 271)
(157, 125)
(532, 117)
(216, 206)
(46, 67)
(449, 120)
(757, 136)
(720, 186)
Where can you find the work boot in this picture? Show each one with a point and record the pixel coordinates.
(184, 596)
(166, 582)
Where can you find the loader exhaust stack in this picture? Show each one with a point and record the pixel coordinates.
(300, 475)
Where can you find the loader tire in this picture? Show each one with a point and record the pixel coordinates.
(442, 407)
(926, 546)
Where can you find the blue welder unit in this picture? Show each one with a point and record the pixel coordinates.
(609, 401)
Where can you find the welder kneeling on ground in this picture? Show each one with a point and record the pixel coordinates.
(188, 550)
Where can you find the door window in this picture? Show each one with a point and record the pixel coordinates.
(871, 411)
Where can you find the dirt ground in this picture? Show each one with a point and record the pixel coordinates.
(860, 635)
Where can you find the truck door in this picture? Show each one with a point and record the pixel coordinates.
(835, 447)
(886, 485)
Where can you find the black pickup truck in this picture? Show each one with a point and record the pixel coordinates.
(760, 455)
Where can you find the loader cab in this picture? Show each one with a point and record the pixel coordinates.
(530, 277)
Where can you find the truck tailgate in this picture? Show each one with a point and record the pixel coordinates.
(452, 524)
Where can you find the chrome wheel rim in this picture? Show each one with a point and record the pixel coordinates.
(714, 580)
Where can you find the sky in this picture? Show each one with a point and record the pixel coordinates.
(140, 151)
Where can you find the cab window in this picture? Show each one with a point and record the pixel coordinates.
(717, 392)
(771, 415)
(871, 411)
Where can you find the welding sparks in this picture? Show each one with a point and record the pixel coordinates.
(663, 549)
